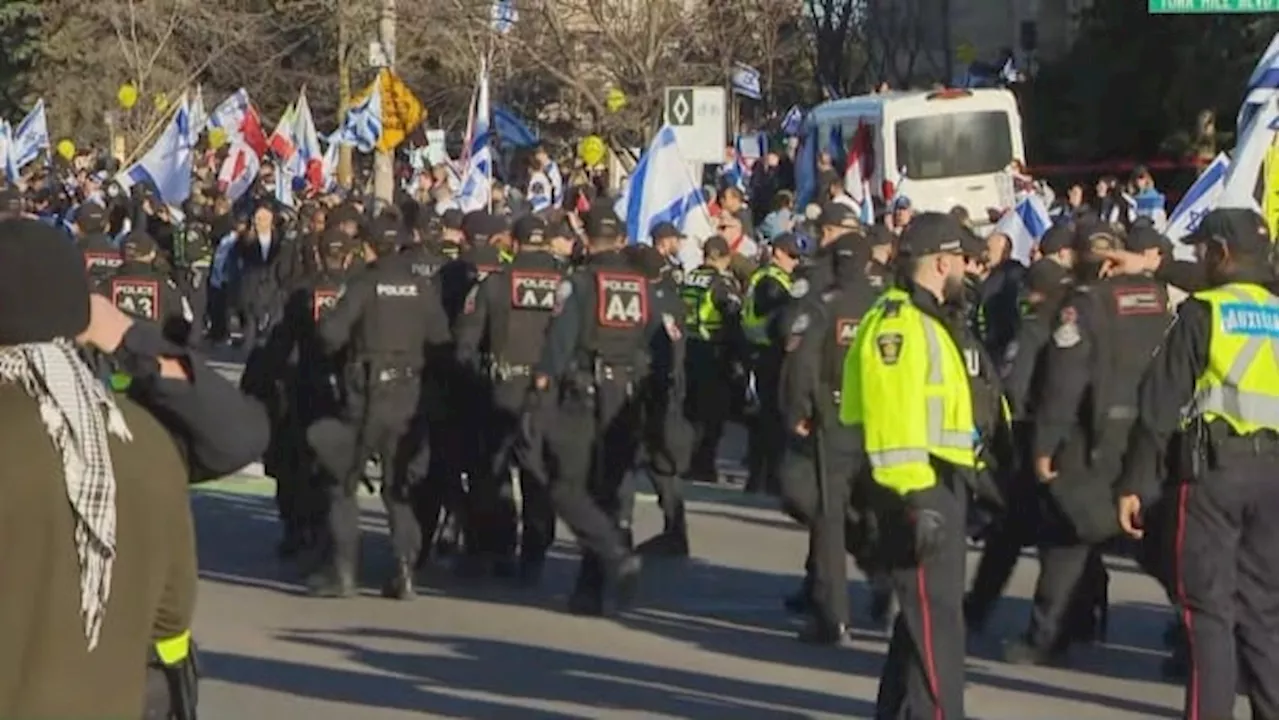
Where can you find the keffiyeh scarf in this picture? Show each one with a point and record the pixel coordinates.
(78, 412)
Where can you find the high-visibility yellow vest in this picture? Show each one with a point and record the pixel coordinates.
(906, 384)
(174, 650)
(754, 325)
(1240, 384)
(702, 318)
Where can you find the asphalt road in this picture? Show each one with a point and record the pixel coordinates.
(707, 640)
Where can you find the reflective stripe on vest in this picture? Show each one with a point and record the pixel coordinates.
(174, 650)
(754, 326)
(1234, 386)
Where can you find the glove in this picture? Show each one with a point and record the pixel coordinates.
(928, 529)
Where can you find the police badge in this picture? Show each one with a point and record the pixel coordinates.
(890, 347)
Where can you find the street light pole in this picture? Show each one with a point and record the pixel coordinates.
(384, 161)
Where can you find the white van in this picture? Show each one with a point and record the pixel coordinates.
(939, 148)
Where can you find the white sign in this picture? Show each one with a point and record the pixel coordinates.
(697, 114)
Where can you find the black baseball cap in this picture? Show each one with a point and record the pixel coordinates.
(646, 259)
(602, 222)
(480, 227)
(334, 243)
(787, 243)
(1240, 229)
(11, 200)
(716, 244)
(138, 243)
(530, 230)
(385, 233)
(664, 230)
(1058, 237)
(879, 235)
(934, 232)
(451, 219)
(1046, 276)
(839, 215)
(346, 212)
(1090, 237)
(1144, 237)
(91, 217)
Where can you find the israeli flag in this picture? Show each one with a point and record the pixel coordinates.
(745, 81)
(167, 165)
(30, 137)
(1248, 156)
(503, 16)
(1262, 85)
(362, 125)
(1201, 197)
(476, 183)
(792, 120)
(1024, 226)
(662, 189)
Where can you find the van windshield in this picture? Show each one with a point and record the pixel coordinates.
(951, 145)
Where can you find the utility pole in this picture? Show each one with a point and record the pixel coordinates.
(384, 162)
(344, 91)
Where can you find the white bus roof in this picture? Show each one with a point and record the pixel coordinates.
(863, 105)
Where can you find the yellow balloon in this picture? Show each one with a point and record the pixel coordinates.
(591, 150)
(615, 100)
(127, 96)
(66, 149)
(161, 101)
(217, 138)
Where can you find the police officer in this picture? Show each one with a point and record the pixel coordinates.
(142, 290)
(594, 348)
(906, 385)
(1102, 340)
(768, 292)
(500, 335)
(713, 309)
(882, 241)
(386, 318)
(101, 256)
(1047, 284)
(666, 432)
(424, 253)
(1215, 375)
(817, 494)
(836, 221)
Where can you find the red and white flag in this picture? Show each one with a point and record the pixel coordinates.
(238, 170)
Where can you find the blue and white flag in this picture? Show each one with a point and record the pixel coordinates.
(503, 16)
(792, 121)
(1024, 226)
(476, 182)
(167, 165)
(30, 137)
(1248, 156)
(1262, 87)
(362, 125)
(1201, 197)
(745, 81)
(662, 189)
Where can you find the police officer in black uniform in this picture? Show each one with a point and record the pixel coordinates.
(592, 359)
(386, 318)
(1047, 284)
(101, 256)
(823, 455)
(1103, 338)
(500, 335)
(141, 289)
(1215, 377)
(882, 242)
(713, 309)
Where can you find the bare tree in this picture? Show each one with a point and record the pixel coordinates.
(906, 40)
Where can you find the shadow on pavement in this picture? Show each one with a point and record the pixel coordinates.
(465, 665)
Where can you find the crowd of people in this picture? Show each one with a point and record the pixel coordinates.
(906, 386)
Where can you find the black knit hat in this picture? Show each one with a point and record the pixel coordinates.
(44, 293)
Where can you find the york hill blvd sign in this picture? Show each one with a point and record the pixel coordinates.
(1171, 7)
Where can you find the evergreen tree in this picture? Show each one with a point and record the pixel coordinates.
(20, 46)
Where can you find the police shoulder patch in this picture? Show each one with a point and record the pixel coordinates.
(563, 291)
(801, 324)
(672, 327)
(890, 346)
(1067, 333)
(799, 288)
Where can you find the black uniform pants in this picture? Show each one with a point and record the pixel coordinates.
(1225, 578)
(1001, 549)
(709, 403)
(493, 502)
(593, 445)
(765, 434)
(388, 418)
(441, 461)
(923, 675)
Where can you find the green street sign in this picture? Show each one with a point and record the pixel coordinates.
(1175, 7)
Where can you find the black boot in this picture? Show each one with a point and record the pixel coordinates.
(588, 590)
(667, 544)
(623, 578)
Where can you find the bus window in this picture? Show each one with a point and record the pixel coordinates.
(953, 145)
